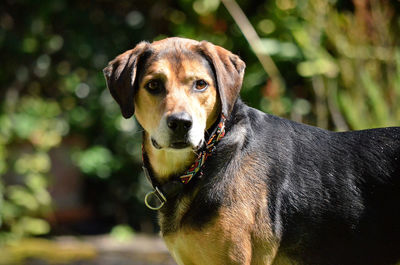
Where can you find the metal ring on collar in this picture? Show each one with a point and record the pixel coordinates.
(158, 194)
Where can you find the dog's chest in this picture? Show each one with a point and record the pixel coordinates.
(222, 241)
(192, 245)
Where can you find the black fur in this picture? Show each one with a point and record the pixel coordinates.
(334, 198)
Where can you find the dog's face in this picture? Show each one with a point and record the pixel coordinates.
(176, 99)
(176, 88)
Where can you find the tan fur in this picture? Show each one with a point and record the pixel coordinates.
(223, 241)
(239, 235)
(150, 109)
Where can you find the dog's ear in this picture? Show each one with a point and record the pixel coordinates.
(121, 74)
(228, 69)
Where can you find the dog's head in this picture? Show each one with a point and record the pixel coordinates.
(176, 87)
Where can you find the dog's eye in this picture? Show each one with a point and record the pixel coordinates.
(200, 85)
(154, 86)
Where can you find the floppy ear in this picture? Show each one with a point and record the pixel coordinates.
(121, 74)
(229, 70)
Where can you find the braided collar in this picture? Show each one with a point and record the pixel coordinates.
(161, 192)
(203, 155)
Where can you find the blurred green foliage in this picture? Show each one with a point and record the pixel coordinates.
(30, 127)
(340, 61)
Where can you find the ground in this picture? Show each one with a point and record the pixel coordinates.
(93, 250)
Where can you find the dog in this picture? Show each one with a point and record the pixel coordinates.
(239, 186)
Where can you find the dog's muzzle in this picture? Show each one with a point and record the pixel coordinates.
(177, 131)
(179, 125)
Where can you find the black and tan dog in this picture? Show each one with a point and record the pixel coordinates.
(271, 191)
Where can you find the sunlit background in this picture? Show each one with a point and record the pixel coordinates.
(71, 184)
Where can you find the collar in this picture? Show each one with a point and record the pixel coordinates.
(173, 187)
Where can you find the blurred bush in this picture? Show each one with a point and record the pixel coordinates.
(340, 61)
(30, 127)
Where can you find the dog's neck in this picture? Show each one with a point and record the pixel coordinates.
(165, 163)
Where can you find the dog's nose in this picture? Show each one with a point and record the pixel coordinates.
(180, 123)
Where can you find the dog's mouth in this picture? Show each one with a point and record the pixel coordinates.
(177, 145)
(155, 144)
